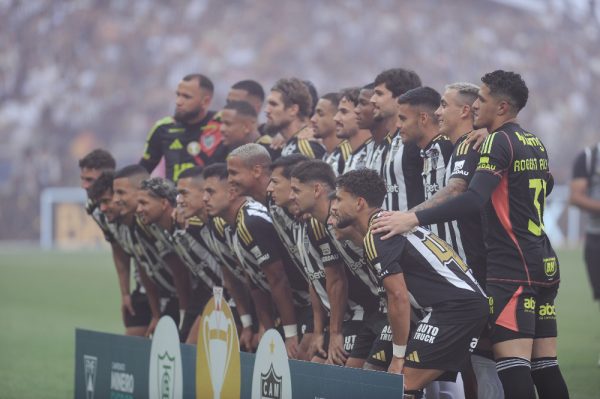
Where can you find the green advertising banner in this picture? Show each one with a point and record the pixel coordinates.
(118, 367)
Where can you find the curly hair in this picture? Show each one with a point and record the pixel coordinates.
(398, 80)
(364, 183)
(294, 91)
(509, 85)
(161, 188)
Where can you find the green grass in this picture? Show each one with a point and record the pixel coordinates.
(45, 295)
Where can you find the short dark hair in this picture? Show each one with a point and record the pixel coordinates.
(398, 80)
(159, 187)
(333, 98)
(194, 172)
(287, 163)
(293, 91)
(421, 97)
(242, 108)
(218, 170)
(98, 159)
(350, 94)
(130, 171)
(313, 95)
(509, 85)
(364, 183)
(369, 86)
(103, 183)
(252, 87)
(314, 170)
(203, 81)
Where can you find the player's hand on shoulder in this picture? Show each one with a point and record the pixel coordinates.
(476, 137)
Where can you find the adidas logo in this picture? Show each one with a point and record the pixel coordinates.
(379, 356)
(414, 357)
(176, 145)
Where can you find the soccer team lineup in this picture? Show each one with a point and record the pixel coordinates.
(390, 226)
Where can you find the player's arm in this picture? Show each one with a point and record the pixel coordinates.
(152, 149)
(336, 285)
(580, 187)
(122, 262)
(398, 316)
(262, 306)
(153, 299)
(181, 279)
(243, 303)
(317, 345)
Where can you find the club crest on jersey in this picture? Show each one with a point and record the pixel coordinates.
(193, 148)
(458, 166)
(550, 266)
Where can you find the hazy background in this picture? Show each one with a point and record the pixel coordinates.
(76, 75)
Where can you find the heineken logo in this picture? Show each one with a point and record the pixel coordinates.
(90, 364)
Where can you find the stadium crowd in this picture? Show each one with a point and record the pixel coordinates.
(80, 69)
(385, 226)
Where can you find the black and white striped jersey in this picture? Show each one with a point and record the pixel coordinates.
(149, 253)
(436, 156)
(376, 156)
(319, 253)
(338, 157)
(218, 244)
(190, 244)
(285, 225)
(362, 282)
(402, 173)
(309, 148)
(256, 244)
(358, 159)
(435, 275)
(92, 209)
(121, 235)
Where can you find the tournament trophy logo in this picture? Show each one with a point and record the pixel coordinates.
(165, 380)
(218, 351)
(271, 378)
(90, 364)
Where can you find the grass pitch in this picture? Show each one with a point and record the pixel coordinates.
(45, 295)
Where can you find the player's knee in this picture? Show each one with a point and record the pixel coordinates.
(515, 375)
(548, 379)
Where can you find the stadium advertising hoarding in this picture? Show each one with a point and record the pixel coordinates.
(116, 366)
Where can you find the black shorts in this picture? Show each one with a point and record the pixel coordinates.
(522, 311)
(444, 339)
(350, 329)
(592, 261)
(305, 320)
(368, 334)
(380, 353)
(140, 305)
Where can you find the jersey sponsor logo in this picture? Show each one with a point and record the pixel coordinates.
(432, 188)
(473, 344)
(426, 333)
(176, 145)
(271, 378)
(392, 188)
(122, 384)
(458, 166)
(315, 275)
(386, 333)
(484, 164)
(90, 366)
(325, 249)
(165, 378)
(193, 148)
(330, 258)
(260, 258)
(349, 342)
(529, 304)
(547, 312)
(550, 266)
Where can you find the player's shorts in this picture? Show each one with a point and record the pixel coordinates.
(444, 339)
(140, 305)
(305, 320)
(350, 329)
(368, 334)
(380, 352)
(522, 311)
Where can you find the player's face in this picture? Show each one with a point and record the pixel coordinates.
(190, 101)
(233, 128)
(302, 195)
(149, 208)
(216, 196)
(365, 109)
(322, 120)
(190, 200)
(346, 120)
(240, 175)
(278, 116)
(343, 209)
(108, 206)
(88, 176)
(484, 109)
(449, 111)
(385, 106)
(408, 123)
(280, 188)
(125, 195)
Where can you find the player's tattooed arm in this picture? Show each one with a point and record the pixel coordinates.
(454, 187)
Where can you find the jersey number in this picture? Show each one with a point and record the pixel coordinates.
(443, 252)
(539, 187)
